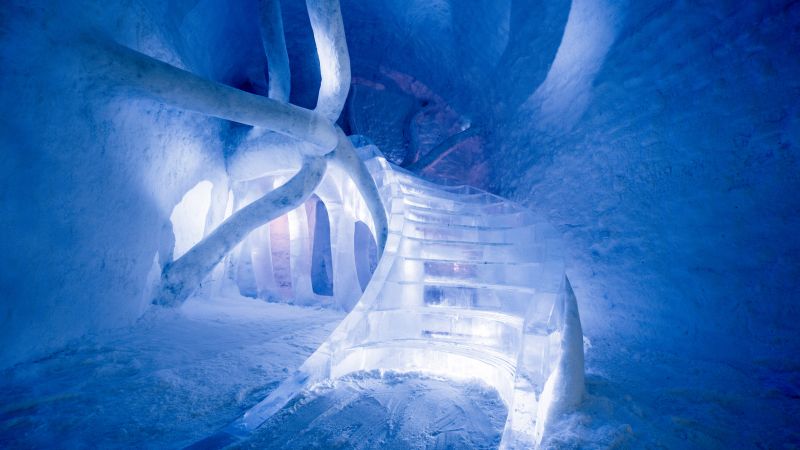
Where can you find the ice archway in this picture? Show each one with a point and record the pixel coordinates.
(188, 218)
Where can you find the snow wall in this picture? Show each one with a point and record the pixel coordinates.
(90, 172)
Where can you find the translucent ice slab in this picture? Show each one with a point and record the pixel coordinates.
(470, 286)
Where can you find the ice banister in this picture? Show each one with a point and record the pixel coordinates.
(564, 389)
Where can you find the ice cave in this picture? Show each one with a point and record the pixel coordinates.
(401, 224)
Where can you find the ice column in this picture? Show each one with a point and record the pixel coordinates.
(184, 275)
(300, 255)
(343, 203)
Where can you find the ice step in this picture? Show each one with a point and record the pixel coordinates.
(487, 298)
(462, 208)
(513, 219)
(472, 251)
(524, 275)
(471, 350)
(459, 227)
(473, 198)
(430, 281)
(443, 324)
(434, 231)
(456, 240)
(445, 359)
(410, 179)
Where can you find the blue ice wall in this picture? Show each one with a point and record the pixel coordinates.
(669, 158)
(90, 173)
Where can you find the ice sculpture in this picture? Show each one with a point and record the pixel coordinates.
(470, 285)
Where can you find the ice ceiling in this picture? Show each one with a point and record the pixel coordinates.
(659, 139)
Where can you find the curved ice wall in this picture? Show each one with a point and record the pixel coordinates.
(91, 172)
(660, 137)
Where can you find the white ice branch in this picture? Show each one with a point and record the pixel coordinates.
(275, 48)
(334, 60)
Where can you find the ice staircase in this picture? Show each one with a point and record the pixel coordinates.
(470, 285)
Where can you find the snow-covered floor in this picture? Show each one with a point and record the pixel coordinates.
(388, 411)
(176, 376)
(649, 399)
(168, 380)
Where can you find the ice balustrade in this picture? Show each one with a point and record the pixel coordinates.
(470, 285)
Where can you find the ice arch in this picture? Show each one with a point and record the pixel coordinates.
(365, 252)
(321, 259)
(188, 218)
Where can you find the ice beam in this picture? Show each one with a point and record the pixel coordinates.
(187, 91)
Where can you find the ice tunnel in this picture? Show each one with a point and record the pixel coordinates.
(399, 224)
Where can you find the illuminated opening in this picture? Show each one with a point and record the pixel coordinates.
(189, 217)
(321, 259)
(281, 261)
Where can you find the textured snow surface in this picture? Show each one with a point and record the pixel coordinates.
(691, 403)
(162, 383)
(392, 411)
(176, 376)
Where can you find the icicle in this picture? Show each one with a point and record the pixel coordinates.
(564, 388)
